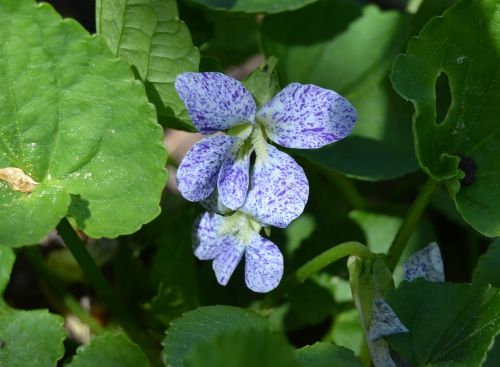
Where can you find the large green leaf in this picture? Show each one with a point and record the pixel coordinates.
(447, 322)
(31, 338)
(74, 119)
(149, 36)
(326, 355)
(254, 6)
(110, 350)
(7, 258)
(460, 49)
(243, 348)
(202, 325)
(355, 62)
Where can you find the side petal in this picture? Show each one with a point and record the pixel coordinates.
(384, 321)
(215, 101)
(227, 260)
(279, 189)
(197, 173)
(206, 241)
(263, 265)
(426, 263)
(233, 180)
(307, 116)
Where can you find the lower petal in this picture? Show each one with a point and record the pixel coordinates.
(233, 180)
(263, 265)
(279, 189)
(227, 260)
(197, 173)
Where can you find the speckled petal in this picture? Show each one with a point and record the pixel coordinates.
(384, 321)
(233, 180)
(228, 259)
(198, 171)
(206, 242)
(279, 189)
(215, 101)
(426, 263)
(307, 116)
(263, 265)
(214, 204)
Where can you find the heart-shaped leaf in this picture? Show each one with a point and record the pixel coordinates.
(74, 121)
(149, 36)
(457, 56)
(447, 322)
(254, 6)
(326, 355)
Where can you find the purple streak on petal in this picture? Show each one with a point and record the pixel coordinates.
(215, 101)
(263, 265)
(227, 260)
(384, 321)
(233, 180)
(307, 116)
(198, 171)
(206, 241)
(426, 263)
(279, 189)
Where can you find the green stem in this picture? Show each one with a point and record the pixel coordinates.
(410, 222)
(351, 248)
(102, 287)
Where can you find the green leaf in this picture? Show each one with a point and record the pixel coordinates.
(202, 325)
(88, 136)
(347, 331)
(355, 62)
(326, 355)
(110, 350)
(149, 36)
(447, 322)
(31, 338)
(488, 266)
(460, 49)
(254, 6)
(243, 348)
(7, 259)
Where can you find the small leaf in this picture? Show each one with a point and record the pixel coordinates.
(458, 150)
(149, 36)
(243, 348)
(326, 355)
(254, 6)
(202, 325)
(31, 338)
(110, 350)
(87, 137)
(7, 259)
(447, 322)
(354, 62)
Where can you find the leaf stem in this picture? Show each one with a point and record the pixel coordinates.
(102, 287)
(410, 221)
(351, 248)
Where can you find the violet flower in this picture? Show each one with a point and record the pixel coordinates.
(276, 190)
(226, 239)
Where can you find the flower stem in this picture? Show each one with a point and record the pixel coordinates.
(351, 248)
(102, 287)
(410, 221)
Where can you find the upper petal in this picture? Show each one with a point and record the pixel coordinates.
(279, 189)
(307, 116)
(384, 321)
(233, 180)
(206, 240)
(230, 254)
(197, 173)
(426, 263)
(215, 101)
(263, 265)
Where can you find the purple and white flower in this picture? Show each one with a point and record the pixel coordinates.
(225, 240)
(275, 191)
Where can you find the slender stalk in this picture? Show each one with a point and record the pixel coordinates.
(410, 222)
(351, 248)
(103, 288)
